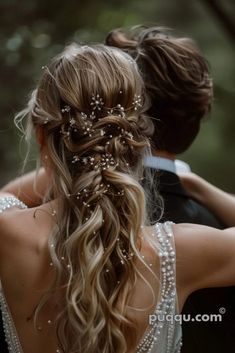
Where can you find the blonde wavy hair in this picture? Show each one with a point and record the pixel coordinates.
(100, 211)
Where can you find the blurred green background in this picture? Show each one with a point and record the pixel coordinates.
(32, 31)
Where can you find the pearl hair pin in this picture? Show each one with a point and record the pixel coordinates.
(137, 102)
(66, 109)
(105, 161)
(97, 104)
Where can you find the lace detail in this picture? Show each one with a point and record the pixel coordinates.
(164, 336)
(10, 201)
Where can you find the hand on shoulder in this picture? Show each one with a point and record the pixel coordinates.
(221, 203)
(194, 184)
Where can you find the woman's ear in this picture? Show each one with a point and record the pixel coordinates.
(40, 136)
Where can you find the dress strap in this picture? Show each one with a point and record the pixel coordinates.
(164, 336)
(167, 259)
(168, 303)
(11, 337)
(8, 202)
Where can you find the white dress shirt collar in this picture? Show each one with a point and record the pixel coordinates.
(169, 165)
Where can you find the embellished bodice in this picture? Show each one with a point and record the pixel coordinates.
(9, 202)
(164, 332)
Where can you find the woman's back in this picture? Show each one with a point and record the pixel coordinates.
(27, 272)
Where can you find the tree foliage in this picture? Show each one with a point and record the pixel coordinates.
(33, 31)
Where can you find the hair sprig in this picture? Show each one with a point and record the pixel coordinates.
(96, 102)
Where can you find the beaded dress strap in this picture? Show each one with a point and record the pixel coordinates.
(167, 259)
(8, 202)
(10, 332)
(168, 301)
(166, 304)
(11, 337)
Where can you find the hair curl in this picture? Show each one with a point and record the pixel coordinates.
(94, 241)
(177, 79)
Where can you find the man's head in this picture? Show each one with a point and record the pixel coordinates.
(177, 81)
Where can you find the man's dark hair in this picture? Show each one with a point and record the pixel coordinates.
(177, 81)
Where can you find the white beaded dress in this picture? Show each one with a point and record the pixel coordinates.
(164, 334)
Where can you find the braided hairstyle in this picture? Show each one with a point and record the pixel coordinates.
(177, 80)
(90, 104)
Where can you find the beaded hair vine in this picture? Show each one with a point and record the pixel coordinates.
(105, 160)
(87, 120)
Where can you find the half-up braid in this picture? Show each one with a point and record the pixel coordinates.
(90, 104)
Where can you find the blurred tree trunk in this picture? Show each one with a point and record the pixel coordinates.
(225, 19)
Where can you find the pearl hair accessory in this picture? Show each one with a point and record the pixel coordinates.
(105, 161)
(137, 102)
(66, 109)
(118, 110)
(85, 193)
(86, 124)
(97, 104)
(127, 134)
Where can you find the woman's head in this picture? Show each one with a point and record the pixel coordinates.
(177, 80)
(89, 107)
(90, 100)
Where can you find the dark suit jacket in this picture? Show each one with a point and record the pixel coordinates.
(199, 337)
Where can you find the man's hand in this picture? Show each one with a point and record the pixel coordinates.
(221, 203)
(194, 185)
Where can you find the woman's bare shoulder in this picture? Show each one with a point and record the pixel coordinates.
(23, 226)
(204, 256)
(15, 224)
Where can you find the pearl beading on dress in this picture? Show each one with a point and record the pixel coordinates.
(10, 201)
(167, 302)
(11, 337)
